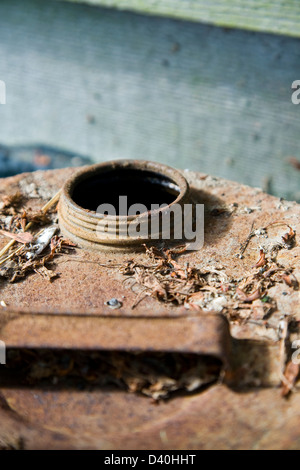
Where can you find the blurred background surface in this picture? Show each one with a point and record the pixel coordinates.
(88, 84)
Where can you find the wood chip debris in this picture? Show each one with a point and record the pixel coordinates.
(36, 255)
(206, 288)
(10, 203)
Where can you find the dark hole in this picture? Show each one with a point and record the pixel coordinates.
(140, 187)
(72, 369)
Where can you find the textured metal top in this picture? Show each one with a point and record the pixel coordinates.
(73, 312)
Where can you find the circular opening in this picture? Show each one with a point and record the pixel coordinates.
(139, 186)
(121, 190)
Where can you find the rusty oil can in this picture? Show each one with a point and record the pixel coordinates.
(233, 335)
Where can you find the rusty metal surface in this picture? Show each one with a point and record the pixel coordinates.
(95, 284)
(207, 335)
(245, 412)
(216, 419)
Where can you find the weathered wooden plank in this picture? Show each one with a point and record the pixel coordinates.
(110, 84)
(277, 16)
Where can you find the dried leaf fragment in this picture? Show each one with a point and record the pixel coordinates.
(151, 282)
(262, 260)
(46, 273)
(289, 378)
(288, 237)
(39, 218)
(248, 297)
(24, 237)
(11, 201)
(67, 242)
(290, 280)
